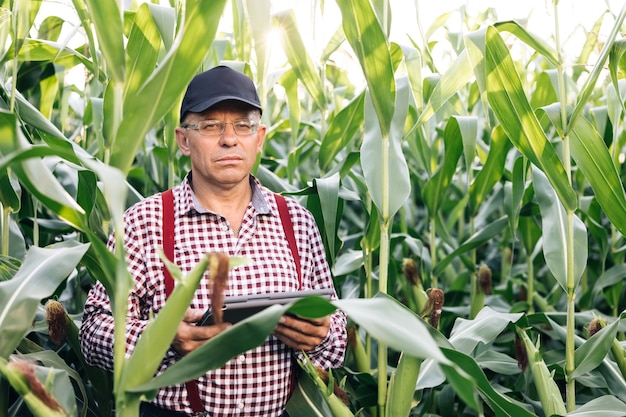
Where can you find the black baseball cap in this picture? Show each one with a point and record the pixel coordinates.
(215, 85)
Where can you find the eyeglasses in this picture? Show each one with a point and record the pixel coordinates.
(242, 127)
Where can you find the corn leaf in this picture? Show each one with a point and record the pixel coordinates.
(555, 242)
(435, 189)
(106, 17)
(367, 39)
(590, 354)
(299, 59)
(41, 273)
(505, 94)
(168, 81)
(372, 151)
(593, 159)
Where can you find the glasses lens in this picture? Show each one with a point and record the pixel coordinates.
(244, 127)
(210, 127)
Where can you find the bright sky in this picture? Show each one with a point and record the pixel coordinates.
(576, 18)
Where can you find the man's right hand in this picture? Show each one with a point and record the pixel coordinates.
(189, 336)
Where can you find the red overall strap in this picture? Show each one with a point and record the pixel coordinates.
(167, 199)
(285, 218)
(167, 202)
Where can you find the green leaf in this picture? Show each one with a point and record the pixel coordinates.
(30, 115)
(593, 159)
(505, 94)
(491, 172)
(452, 81)
(465, 336)
(261, 32)
(478, 238)
(368, 41)
(435, 189)
(537, 44)
(328, 191)
(341, 130)
(385, 319)
(37, 177)
(8, 267)
(41, 273)
(9, 193)
(23, 17)
(469, 133)
(165, 20)
(582, 100)
(488, 324)
(142, 50)
(379, 173)
(307, 400)
(604, 406)
(106, 17)
(555, 241)
(501, 405)
(300, 61)
(618, 51)
(45, 50)
(590, 354)
(514, 193)
(158, 334)
(615, 106)
(168, 81)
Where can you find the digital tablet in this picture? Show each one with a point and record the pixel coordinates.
(237, 308)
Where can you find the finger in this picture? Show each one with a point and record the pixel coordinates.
(296, 340)
(193, 315)
(189, 336)
(301, 334)
(302, 323)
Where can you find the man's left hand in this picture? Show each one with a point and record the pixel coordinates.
(302, 333)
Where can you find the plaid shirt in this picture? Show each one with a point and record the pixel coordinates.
(256, 383)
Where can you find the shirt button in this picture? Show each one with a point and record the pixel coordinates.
(241, 406)
(225, 228)
(241, 358)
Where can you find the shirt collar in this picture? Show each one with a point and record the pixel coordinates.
(189, 201)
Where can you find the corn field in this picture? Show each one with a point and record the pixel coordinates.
(473, 212)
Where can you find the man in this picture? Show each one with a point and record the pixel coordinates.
(221, 207)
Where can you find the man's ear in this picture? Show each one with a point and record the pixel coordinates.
(261, 132)
(182, 140)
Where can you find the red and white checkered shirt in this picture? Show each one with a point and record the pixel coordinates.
(256, 383)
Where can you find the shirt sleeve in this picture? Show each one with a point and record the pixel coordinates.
(97, 328)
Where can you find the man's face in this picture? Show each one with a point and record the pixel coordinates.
(223, 160)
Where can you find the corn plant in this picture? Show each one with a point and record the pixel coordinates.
(494, 180)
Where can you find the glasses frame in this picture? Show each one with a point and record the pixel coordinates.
(254, 125)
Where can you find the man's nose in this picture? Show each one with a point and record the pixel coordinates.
(229, 137)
